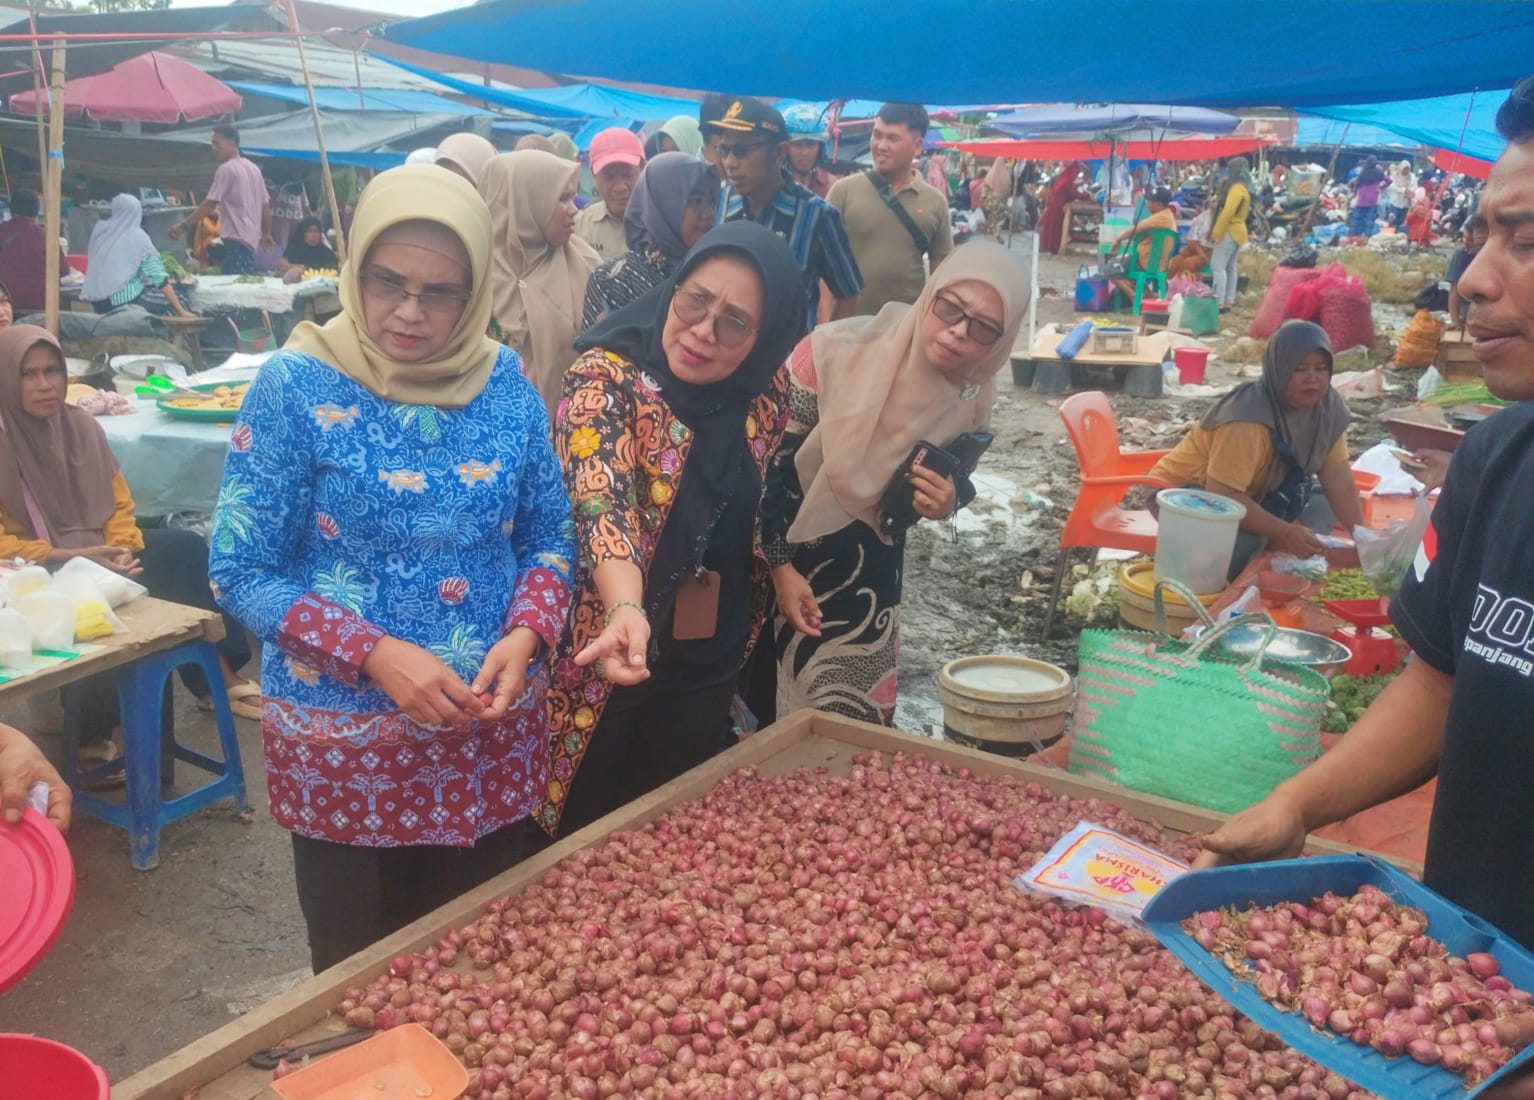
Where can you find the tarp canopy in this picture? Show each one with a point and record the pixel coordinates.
(89, 57)
(1293, 54)
(1442, 122)
(1355, 135)
(371, 99)
(1170, 149)
(153, 87)
(1066, 118)
(1455, 162)
(571, 101)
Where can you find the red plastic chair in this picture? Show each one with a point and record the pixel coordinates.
(1107, 473)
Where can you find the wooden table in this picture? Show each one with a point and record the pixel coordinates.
(214, 1067)
(184, 337)
(153, 626)
(1082, 220)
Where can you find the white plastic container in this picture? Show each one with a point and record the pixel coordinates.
(1195, 538)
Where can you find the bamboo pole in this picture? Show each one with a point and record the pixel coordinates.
(54, 177)
(319, 134)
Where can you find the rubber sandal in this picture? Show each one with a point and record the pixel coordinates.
(238, 705)
(94, 755)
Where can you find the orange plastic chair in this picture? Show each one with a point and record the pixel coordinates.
(1107, 473)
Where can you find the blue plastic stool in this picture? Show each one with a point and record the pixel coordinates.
(141, 691)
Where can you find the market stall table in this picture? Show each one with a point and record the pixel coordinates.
(1082, 222)
(228, 293)
(159, 637)
(215, 1066)
(172, 466)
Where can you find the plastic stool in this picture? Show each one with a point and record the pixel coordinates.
(142, 689)
(1053, 377)
(1143, 381)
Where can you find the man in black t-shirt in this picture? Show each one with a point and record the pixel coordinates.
(1463, 708)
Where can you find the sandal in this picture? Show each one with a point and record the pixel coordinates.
(93, 755)
(239, 705)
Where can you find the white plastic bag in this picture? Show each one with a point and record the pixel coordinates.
(51, 616)
(1429, 384)
(117, 588)
(26, 580)
(1359, 383)
(1385, 556)
(15, 639)
(93, 612)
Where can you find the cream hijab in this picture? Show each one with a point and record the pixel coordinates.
(412, 193)
(878, 396)
(539, 291)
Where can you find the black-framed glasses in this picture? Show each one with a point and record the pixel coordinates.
(730, 329)
(980, 329)
(381, 288)
(740, 150)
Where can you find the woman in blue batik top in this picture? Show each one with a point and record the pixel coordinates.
(394, 526)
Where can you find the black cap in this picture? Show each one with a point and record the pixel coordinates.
(749, 116)
(1162, 195)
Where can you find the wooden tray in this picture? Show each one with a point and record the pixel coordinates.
(215, 1064)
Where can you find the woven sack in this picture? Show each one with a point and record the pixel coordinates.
(1172, 719)
(1270, 314)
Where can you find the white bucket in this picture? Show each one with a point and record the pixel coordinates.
(1195, 537)
(1011, 706)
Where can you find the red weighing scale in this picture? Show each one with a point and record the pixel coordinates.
(1374, 650)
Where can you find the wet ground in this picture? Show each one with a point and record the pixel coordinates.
(150, 961)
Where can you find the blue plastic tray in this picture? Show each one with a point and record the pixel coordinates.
(1300, 880)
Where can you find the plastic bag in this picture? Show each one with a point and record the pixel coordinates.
(1094, 866)
(117, 588)
(1189, 286)
(51, 616)
(1386, 556)
(1429, 384)
(25, 581)
(93, 612)
(1093, 291)
(1359, 383)
(1312, 568)
(15, 639)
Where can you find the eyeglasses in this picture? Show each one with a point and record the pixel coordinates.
(730, 329)
(740, 150)
(383, 289)
(979, 329)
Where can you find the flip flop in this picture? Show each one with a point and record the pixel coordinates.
(93, 755)
(237, 701)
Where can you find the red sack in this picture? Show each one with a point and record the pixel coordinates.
(1347, 315)
(1303, 303)
(1270, 314)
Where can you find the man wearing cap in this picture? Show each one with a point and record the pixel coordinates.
(752, 155)
(897, 222)
(1159, 203)
(615, 155)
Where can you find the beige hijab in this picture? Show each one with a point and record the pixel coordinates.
(539, 290)
(412, 193)
(878, 396)
(468, 151)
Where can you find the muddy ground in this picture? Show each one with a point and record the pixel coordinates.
(150, 961)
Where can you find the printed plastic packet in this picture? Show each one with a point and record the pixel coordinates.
(1094, 866)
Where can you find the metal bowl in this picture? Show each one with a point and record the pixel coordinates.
(1291, 647)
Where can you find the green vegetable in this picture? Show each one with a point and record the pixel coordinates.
(1348, 584)
(1351, 696)
(1462, 393)
(172, 265)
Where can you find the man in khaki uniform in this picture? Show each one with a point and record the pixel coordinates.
(616, 157)
(893, 251)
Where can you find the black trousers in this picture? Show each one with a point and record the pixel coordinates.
(352, 897)
(647, 736)
(175, 565)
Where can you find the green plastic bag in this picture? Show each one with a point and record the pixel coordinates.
(1173, 719)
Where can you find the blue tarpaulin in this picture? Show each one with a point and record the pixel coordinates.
(1294, 54)
(571, 101)
(1329, 131)
(372, 99)
(1064, 118)
(1441, 122)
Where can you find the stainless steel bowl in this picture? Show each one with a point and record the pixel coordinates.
(1291, 647)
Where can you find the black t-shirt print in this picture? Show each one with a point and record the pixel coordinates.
(1470, 613)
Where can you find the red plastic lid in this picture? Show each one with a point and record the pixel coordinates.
(39, 878)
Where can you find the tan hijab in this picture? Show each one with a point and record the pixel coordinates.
(878, 396)
(539, 290)
(468, 151)
(412, 193)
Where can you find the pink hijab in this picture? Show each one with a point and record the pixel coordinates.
(55, 474)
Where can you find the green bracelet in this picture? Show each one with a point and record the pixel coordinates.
(607, 620)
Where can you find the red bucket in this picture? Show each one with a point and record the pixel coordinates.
(1190, 364)
(41, 1067)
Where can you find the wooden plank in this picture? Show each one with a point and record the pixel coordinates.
(215, 1064)
(153, 626)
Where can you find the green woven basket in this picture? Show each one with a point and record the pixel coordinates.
(1173, 719)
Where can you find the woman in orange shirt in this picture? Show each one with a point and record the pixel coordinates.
(62, 496)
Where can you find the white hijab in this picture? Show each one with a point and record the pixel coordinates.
(117, 247)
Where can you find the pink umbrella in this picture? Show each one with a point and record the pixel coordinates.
(153, 87)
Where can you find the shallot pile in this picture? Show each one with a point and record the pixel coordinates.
(814, 937)
(1364, 967)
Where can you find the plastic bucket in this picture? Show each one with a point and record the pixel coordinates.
(1137, 601)
(1023, 371)
(1195, 537)
(1011, 706)
(41, 1067)
(1190, 364)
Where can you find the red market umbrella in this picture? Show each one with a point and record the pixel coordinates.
(1190, 148)
(153, 87)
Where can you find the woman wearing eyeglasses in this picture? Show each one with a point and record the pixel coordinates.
(866, 391)
(539, 267)
(394, 526)
(667, 423)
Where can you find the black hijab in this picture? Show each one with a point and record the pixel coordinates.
(719, 464)
(299, 251)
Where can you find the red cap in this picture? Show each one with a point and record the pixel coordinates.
(615, 146)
